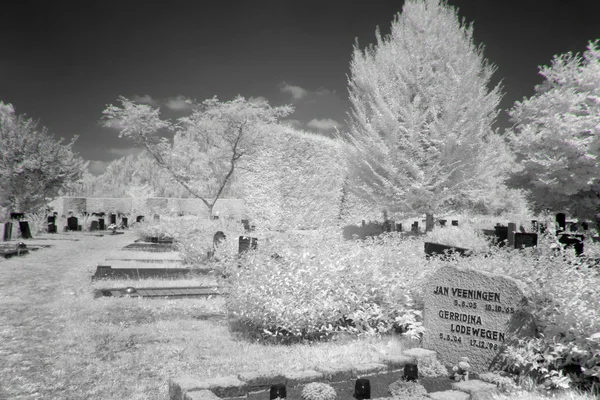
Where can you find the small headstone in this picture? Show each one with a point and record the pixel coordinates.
(572, 240)
(443, 222)
(52, 224)
(124, 222)
(428, 222)
(454, 222)
(7, 231)
(415, 227)
(101, 225)
(156, 217)
(512, 227)
(24, 228)
(469, 313)
(17, 216)
(561, 221)
(94, 226)
(246, 224)
(218, 238)
(139, 218)
(72, 223)
(525, 240)
(534, 225)
(247, 243)
(398, 227)
(113, 219)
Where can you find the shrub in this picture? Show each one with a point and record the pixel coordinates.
(318, 391)
(320, 285)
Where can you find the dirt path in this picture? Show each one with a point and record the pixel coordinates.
(34, 290)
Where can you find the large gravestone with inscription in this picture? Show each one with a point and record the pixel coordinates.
(470, 314)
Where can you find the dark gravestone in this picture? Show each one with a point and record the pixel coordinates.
(218, 238)
(415, 227)
(124, 222)
(573, 227)
(501, 235)
(72, 223)
(454, 222)
(139, 218)
(561, 221)
(156, 217)
(101, 224)
(215, 217)
(571, 240)
(7, 231)
(113, 219)
(442, 222)
(17, 216)
(398, 227)
(52, 224)
(246, 224)
(534, 225)
(247, 243)
(428, 222)
(94, 226)
(24, 228)
(432, 249)
(525, 240)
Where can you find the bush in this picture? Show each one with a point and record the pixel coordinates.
(318, 391)
(320, 285)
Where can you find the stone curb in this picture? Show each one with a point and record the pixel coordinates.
(238, 387)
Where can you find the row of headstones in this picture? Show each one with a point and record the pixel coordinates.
(23, 228)
(73, 222)
(392, 226)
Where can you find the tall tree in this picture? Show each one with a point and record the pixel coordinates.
(208, 145)
(556, 136)
(422, 114)
(34, 166)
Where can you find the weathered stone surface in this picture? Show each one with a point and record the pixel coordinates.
(469, 313)
(179, 386)
(397, 362)
(295, 378)
(336, 373)
(449, 395)
(257, 381)
(360, 370)
(201, 395)
(418, 354)
(225, 386)
(478, 390)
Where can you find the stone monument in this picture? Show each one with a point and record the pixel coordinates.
(470, 314)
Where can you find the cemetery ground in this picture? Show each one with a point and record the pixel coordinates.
(58, 342)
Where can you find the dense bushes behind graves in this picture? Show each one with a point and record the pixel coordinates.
(318, 284)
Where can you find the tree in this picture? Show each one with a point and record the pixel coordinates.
(34, 167)
(556, 136)
(422, 114)
(208, 145)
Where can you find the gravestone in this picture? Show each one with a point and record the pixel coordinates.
(17, 216)
(525, 240)
(415, 227)
(113, 219)
(561, 221)
(101, 224)
(72, 223)
(454, 222)
(572, 240)
(442, 222)
(94, 226)
(218, 238)
(52, 224)
(501, 235)
(398, 227)
(470, 314)
(24, 228)
(124, 222)
(247, 243)
(512, 227)
(139, 218)
(7, 231)
(156, 217)
(428, 222)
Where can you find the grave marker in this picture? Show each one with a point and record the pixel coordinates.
(247, 243)
(17, 216)
(512, 227)
(124, 222)
(113, 219)
(428, 222)
(525, 240)
(454, 222)
(94, 226)
(101, 224)
(470, 314)
(156, 217)
(139, 218)
(72, 223)
(7, 231)
(561, 221)
(24, 228)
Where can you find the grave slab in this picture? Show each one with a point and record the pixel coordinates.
(469, 313)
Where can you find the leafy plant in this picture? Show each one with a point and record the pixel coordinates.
(318, 391)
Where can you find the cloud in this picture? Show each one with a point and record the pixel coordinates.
(145, 99)
(123, 152)
(97, 167)
(325, 124)
(178, 103)
(324, 92)
(296, 91)
(258, 99)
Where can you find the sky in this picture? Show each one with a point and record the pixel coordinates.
(62, 62)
